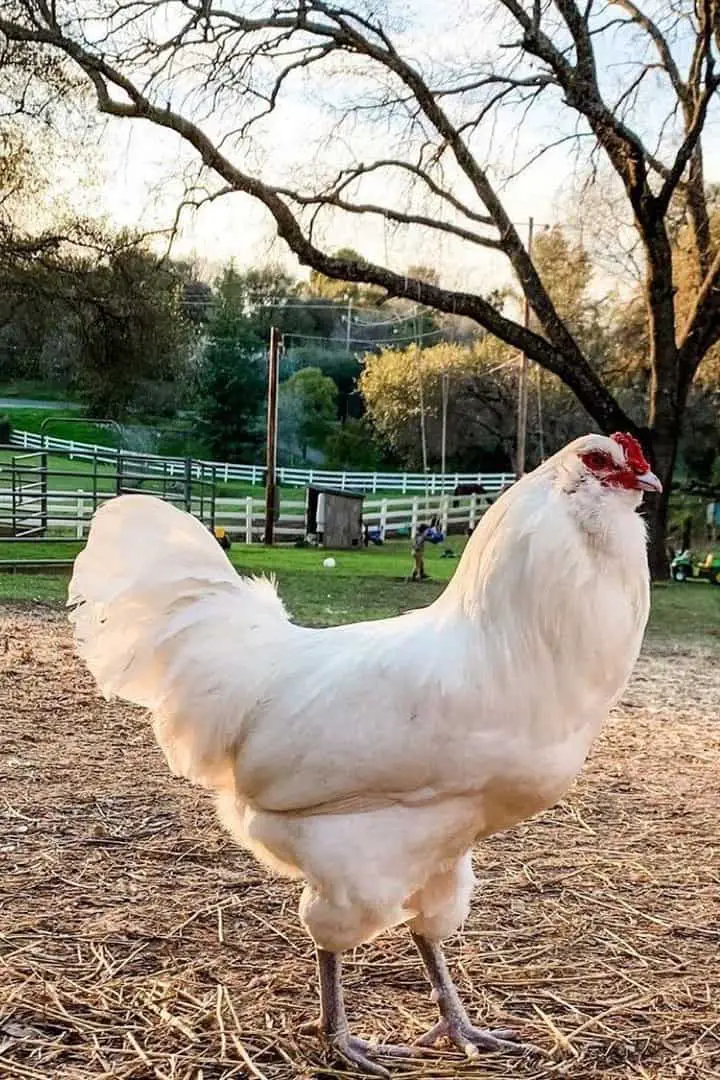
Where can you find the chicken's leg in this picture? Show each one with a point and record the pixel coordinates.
(454, 1022)
(333, 1023)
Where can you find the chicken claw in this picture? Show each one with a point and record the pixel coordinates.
(361, 1053)
(454, 1022)
(471, 1040)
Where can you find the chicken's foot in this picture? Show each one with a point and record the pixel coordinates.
(333, 1025)
(454, 1022)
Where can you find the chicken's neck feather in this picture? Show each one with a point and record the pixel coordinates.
(544, 574)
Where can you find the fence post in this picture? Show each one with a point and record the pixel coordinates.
(14, 499)
(404, 483)
(248, 519)
(473, 511)
(414, 517)
(383, 518)
(80, 514)
(187, 485)
(444, 513)
(374, 482)
(43, 491)
(226, 472)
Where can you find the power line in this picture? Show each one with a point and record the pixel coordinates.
(282, 306)
(370, 341)
(279, 302)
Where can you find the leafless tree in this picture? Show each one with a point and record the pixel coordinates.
(634, 84)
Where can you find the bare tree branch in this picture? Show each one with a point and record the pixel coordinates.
(433, 123)
(560, 354)
(390, 214)
(651, 28)
(348, 175)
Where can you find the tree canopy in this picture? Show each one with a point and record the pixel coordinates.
(411, 125)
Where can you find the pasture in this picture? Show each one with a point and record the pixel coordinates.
(137, 941)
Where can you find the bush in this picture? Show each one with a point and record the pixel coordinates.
(351, 446)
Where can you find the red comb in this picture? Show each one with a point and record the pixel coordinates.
(633, 451)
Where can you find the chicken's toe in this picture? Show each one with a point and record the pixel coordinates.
(355, 1052)
(471, 1039)
(363, 1054)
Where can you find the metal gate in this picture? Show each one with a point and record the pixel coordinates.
(185, 483)
(54, 502)
(23, 496)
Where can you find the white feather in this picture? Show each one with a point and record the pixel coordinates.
(368, 758)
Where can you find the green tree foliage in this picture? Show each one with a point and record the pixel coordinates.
(100, 313)
(327, 288)
(342, 367)
(308, 402)
(353, 445)
(134, 337)
(83, 304)
(231, 379)
(197, 297)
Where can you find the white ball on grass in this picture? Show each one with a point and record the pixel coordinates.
(329, 562)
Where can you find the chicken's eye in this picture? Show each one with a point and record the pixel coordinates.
(597, 460)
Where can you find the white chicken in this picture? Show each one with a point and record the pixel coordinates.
(367, 759)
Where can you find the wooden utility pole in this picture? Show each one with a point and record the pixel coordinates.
(348, 328)
(523, 382)
(541, 426)
(423, 432)
(271, 449)
(445, 391)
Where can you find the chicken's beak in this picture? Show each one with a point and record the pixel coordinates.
(648, 481)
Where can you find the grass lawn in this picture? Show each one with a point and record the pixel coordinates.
(690, 610)
(68, 426)
(363, 584)
(35, 389)
(370, 584)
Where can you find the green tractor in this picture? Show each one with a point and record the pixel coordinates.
(685, 568)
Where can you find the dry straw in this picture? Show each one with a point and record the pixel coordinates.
(137, 942)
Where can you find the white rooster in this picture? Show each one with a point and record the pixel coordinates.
(368, 759)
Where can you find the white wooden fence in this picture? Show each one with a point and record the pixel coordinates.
(69, 513)
(435, 483)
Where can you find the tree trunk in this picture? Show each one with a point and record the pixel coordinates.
(667, 399)
(663, 451)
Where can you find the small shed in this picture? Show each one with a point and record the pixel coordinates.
(334, 517)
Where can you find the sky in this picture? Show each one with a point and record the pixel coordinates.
(139, 165)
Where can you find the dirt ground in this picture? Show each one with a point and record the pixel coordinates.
(137, 941)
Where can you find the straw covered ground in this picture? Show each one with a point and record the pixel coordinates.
(136, 941)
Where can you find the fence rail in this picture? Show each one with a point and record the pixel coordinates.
(68, 514)
(225, 472)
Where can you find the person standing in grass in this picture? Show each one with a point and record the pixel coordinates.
(418, 554)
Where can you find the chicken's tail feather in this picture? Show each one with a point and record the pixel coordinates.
(162, 619)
